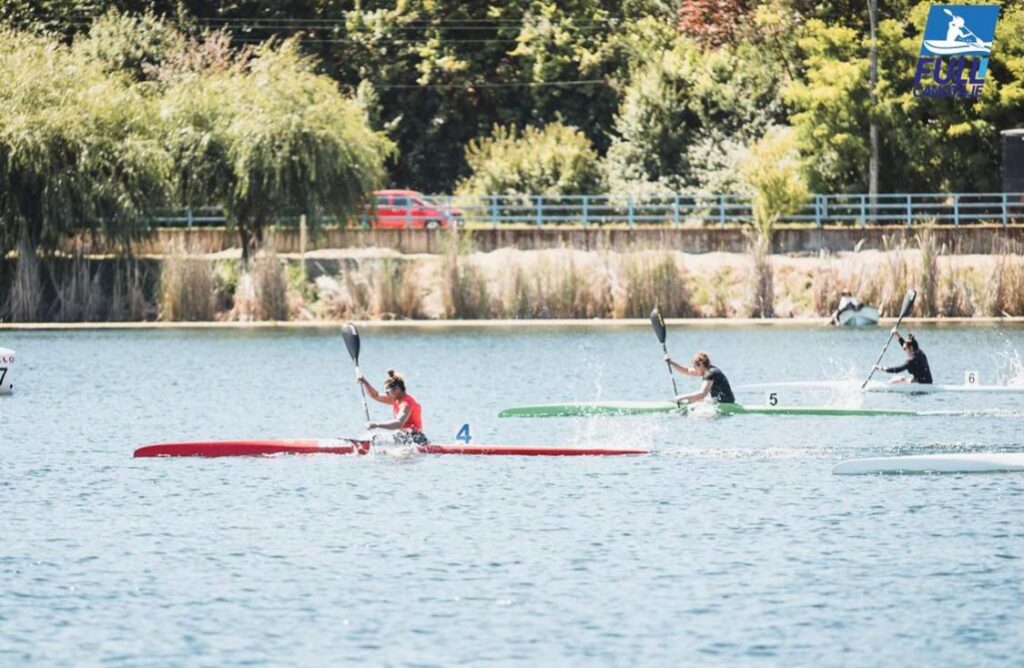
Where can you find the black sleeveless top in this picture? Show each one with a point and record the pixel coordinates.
(720, 390)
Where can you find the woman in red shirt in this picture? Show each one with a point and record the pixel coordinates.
(407, 412)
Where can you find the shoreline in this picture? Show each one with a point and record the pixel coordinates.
(593, 323)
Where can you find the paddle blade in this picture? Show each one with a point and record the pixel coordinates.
(908, 303)
(351, 336)
(658, 323)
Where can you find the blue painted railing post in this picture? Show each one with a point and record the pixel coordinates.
(956, 209)
(675, 210)
(540, 210)
(189, 214)
(910, 212)
(1005, 217)
(629, 211)
(721, 210)
(494, 212)
(817, 210)
(586, 211)
(863, 211)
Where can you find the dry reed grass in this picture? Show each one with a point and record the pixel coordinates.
(79, 293)
(187, 287)
(929, 275)
(262, 290)
(128, 300)
(1004, 293)
(24, 303)
(761, 280)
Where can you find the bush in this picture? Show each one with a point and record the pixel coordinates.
(553, 160)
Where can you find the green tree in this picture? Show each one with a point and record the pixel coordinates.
(553, 160)
(774, 176)
(926, 144)
(79, 148)
(773, 172)
(684, 109)
(266, 136)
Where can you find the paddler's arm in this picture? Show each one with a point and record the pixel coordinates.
(686, 371)
(374, 394)
(699, 395)
(397, 423)
(893, 369)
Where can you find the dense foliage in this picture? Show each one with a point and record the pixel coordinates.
(307, 104)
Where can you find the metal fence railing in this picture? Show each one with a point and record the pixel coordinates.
(674, 210)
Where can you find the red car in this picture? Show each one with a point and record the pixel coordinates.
(398, 209)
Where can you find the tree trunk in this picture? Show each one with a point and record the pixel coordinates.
(873, 129)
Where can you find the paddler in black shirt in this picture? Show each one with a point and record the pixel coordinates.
(916, 364)
(715, 382)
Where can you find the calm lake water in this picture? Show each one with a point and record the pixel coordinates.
(731, 545)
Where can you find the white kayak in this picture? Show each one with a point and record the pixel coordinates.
(876, 386)
(980, 462)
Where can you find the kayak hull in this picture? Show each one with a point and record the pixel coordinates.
(621, 408)
(593, 408)
(264, 447)
(952, 463)
(899, 388)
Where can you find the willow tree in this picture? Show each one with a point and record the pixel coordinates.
(266, 137)
(79, 150)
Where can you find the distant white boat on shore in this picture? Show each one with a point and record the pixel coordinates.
(851, 313)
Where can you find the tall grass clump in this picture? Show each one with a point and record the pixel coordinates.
(463, 287)
(1004, 294)
(825, 290)
(892, 277)
(128, 300)
(956, 294)
(654, 278)
(24, 303)
(398, 293)
(79, 293)
(761, 283)
(262, 290)
(187, 287)
(929, 275)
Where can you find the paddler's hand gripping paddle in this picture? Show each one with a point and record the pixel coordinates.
(351, 336)
(908, 304)
(659, 329)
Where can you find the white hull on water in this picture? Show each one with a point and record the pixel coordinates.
(901, 388)
(980, 462)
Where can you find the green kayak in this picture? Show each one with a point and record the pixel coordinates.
(589, 408)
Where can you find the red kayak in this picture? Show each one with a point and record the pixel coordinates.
(256, 448)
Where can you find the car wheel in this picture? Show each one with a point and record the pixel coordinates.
(432, 225)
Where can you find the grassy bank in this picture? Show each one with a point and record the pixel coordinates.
(381, 284)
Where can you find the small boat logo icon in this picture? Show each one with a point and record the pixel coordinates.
(960, 30)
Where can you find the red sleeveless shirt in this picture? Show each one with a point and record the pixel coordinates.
(415, 419)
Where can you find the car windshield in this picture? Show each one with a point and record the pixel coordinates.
(425, 201)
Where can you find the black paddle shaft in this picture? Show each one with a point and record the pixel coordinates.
(351, 336)
(908, 305)
(658, 323)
